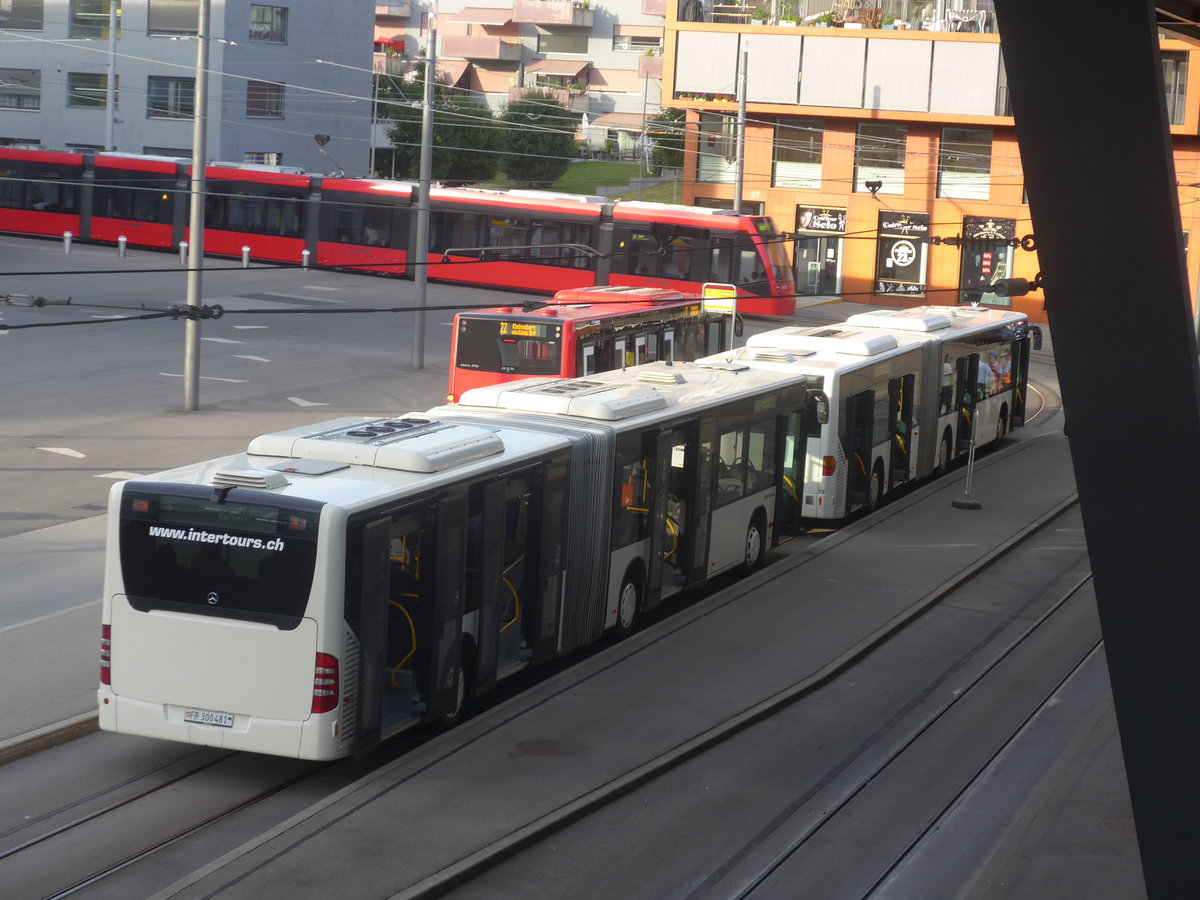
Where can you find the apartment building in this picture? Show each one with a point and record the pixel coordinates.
(875, 135)
(280, 75)
(600, 60)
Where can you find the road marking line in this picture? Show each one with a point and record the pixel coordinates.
(300, 402)
(254, 358)
(205, 377)
(118, 476)
(64, 451)
(222, 340)
(246, 327)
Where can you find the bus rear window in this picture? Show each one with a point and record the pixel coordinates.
(184, 550)
(509, 346)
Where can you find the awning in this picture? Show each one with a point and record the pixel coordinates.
(615, 121)
(453, 70)
(474, 15)
(571, 68)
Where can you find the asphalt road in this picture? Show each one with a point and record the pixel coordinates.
(84, 405)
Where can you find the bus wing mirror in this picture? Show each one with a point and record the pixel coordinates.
(739, 325)
(1037, 337)
(819, 403)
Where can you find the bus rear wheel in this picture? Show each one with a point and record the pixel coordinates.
(628, 603)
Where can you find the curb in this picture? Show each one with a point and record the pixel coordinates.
(50, 736)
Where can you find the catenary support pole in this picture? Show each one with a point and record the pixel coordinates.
(191, 357)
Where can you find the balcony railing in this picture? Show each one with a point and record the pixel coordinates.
(650, 67)
(401, 10)
(564, 13)
(389, 64)
(466, 46)
(573, 99)
(887, 14)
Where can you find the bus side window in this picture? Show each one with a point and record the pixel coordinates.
(587, 360)
(668, 345)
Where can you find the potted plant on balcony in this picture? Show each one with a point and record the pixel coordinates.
(760, 14)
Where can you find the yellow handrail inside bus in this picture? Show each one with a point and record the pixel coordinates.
(516, 605)
(413, 630)
(791, 485)
(674, 539)
(862, 467)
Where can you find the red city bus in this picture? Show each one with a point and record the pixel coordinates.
(580, 332)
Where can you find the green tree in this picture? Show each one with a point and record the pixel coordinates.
(466, 139)
(539, 139)
(666, 130)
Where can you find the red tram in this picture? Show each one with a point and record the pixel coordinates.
(527, 240)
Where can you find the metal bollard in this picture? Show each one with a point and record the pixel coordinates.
(122, 241)
(183, 247)
(67, 241)
(245, 257)
(304, 255)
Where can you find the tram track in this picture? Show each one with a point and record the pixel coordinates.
(130, 821)
(470, 875)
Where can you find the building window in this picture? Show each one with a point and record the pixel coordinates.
(625, 42)
(268, 23)
(717, 156)
(21, 15)
(798, 148)
(89, 18)
(561, 43)
(89, 91)
(879, 157)
(965, 163)
(264, 99)
(173, 98)
(173, 16)
(20, 89)
(263, 158)
(1174, 64)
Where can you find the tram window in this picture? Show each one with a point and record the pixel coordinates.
(544, 233)
(346, 223)
(749, 266)
(37, 187)
(146, 202)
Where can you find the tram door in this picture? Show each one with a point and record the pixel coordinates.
(673, 532)
(857, 443)
(901, 395)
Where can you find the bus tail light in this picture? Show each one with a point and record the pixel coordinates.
(325, 684)
(828, 465)
(106, 654)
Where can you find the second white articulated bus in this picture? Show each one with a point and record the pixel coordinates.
(338, 583)
(908, 390)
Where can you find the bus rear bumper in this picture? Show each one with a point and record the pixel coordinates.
(255, 734)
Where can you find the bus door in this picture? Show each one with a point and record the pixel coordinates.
(442, 662)
(1019, 358)
(901, 398)
(485, 569)
(967, 392)
(367, 613)
(792, 434)
(672, 533)
(857, 444)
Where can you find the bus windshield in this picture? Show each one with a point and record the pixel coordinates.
(509, 346)
(188, 549)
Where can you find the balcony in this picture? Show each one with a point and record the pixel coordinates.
(885, 15)
(390, 64)
(574, 99)
(654, 7)
(551, 13)
(481, 47)
(394, 10)
(650, 67)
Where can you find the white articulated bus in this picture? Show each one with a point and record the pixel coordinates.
(338, 583)
(907, 390)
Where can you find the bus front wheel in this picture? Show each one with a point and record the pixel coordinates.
(756, 536)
